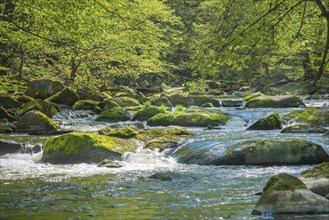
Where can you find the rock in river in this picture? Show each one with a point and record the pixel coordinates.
(269, 123)
(286, 194)
(264, 101)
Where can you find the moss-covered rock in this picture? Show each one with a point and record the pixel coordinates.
(148, 112)
(9, 102)
(35, 121)
(161, 100)
(191, 99)
(125, 132)
(189, 118)
(85, 105)
(251, 96)
(125, 101)
(43, 88)
(231, 103)
(85, 148)
(24, 99)
(269, 123)
(9, 147)
(115, 114)
(45, 107)
(274, 102)
(273, 152)
(5, 114)
(317, 179)
(163, 138)
(108, 104)
(303, 128)
(65, 97)
(286, 194)
(312, 116)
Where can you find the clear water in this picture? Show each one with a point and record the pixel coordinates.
(34, 190)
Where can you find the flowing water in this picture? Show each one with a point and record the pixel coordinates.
(34, 190)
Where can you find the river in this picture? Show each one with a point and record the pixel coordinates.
(34, 190)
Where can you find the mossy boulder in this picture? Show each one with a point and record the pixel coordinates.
(5, 114)
(251, 96)
(9, 102)
(24, 99)
(108, 104)
(85, 148)
(45, 107)
(191, 99)
(274, 102)
(303, 128)
(286, 194)
(317, 179)
(125, 132)
(161, 100)
(269, 123)
(148, 112)
(115, 114)
(35, 121)
(312, 116)
(85, 105)
(189, 118)
(273, 152)
(163, 138)
(43, 88)
(65, 97)
(125, 101)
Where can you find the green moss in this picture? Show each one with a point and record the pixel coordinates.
(282, 182)
(269, 123)
(313, 116)
(169, 132)
(251, 96)
(39, 105)
(85, 105)
(274, 102)
(70, 144)
(115, 114)
(35, 121)
(199, 118)
(319, 171)
(126, 101)
(148, 112)
(108, 104)
(125, 132)
(65, 97)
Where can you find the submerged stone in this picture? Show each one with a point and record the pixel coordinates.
(171, 176)
(110, 164)
(286, 194)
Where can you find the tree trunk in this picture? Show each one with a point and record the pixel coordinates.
(21, 55)
(325, 14)
(74, 67)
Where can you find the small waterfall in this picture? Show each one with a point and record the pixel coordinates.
(31, 149)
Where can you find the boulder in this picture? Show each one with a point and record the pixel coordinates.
(191, 100)
(65, 97)
(269, 123)
(85, 105)
(148, 112)
(115, 114)
(9, 102)
(86, 148)
(189, 118)
(9, 147)
(124, 132)
(45, 107)
(35, 121)
(231, 103)
(312, 116)
(272, 78)
(273, 152)
(4, 114)
(161, 100)
(43, 88)
(163, 138)
(303, 128)
(25, 99)
(317, 179)
(108, 104)
(251, 96)
(274, 102)
(125, 101)
(286, 194)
